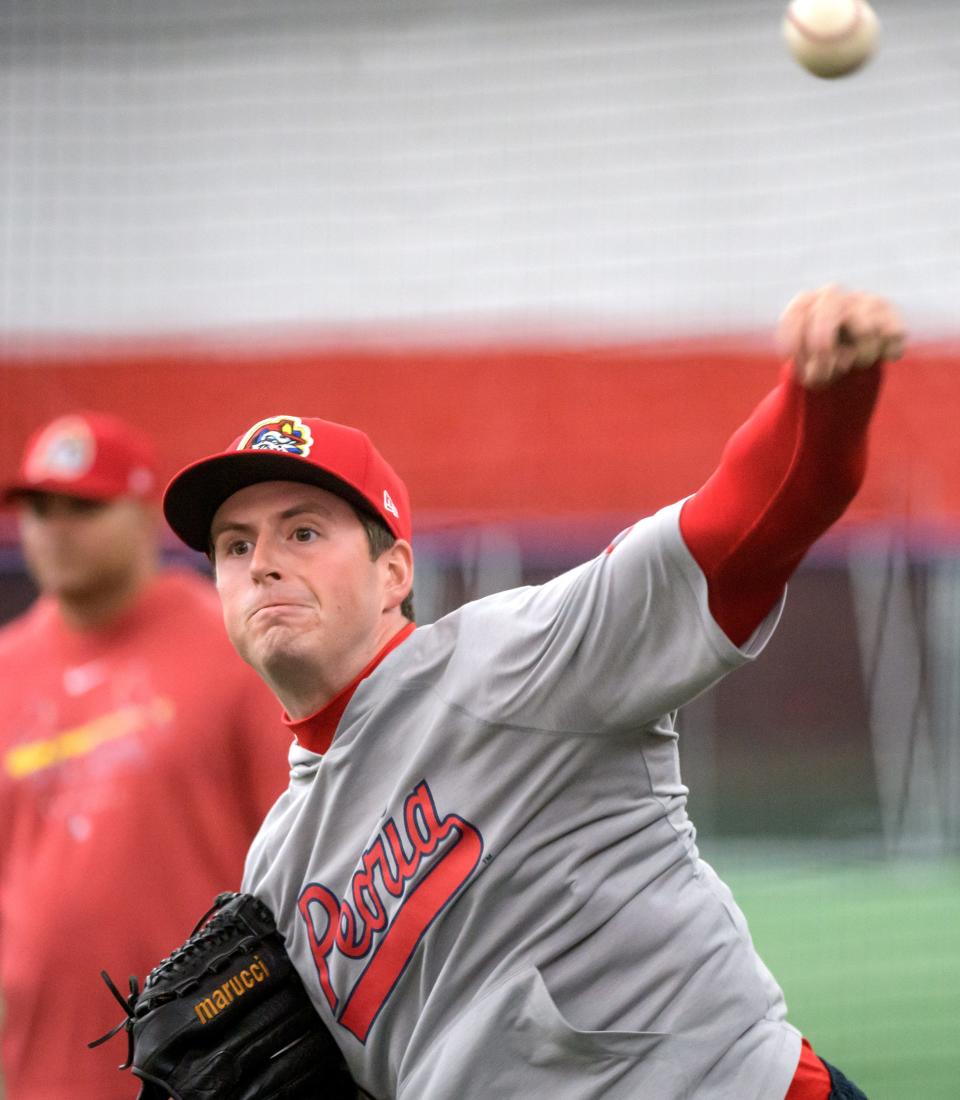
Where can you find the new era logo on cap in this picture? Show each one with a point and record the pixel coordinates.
(389, 505)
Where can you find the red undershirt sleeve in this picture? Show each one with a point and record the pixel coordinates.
(784, 477)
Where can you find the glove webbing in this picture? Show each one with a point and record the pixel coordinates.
(201, 940)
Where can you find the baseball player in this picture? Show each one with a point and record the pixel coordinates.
(137, 754)
(483, 867)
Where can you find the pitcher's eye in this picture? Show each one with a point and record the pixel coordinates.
(304, 534)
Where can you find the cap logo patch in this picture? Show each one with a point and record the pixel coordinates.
(279, 433)
(389, 505)
(65, 451)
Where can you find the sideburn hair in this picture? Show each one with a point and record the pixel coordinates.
(380, 538)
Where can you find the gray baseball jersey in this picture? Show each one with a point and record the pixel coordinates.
(489, 882)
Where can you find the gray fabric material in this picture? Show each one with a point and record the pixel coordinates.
(502, 816)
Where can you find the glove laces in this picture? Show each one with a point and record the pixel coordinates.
(201, 939)
(128, 1004)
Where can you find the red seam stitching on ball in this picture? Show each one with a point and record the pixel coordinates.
(835, 36)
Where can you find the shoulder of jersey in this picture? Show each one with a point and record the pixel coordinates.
(29, 626)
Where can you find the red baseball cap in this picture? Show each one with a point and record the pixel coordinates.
(90, 455)
(334, 457)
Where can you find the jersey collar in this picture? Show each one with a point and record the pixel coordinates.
(316, 732)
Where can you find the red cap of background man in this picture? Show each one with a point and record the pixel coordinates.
(332, 456)
(90, 455)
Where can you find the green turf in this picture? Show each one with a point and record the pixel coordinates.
(868, 954)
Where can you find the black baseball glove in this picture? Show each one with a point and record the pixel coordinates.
(226, 1017)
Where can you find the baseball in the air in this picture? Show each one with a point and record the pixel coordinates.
(831, 37)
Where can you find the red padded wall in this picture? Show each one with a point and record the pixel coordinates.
(504, 431)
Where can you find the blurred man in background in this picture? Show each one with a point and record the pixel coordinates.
(137, 754)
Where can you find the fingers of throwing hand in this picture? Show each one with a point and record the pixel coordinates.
(791, 326)
(874, 330)
(829, 332)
